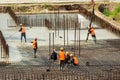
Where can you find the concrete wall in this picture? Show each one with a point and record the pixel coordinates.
(6, 20)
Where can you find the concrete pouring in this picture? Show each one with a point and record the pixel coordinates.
(22, 53)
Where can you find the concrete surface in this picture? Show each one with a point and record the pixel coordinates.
(17, 52)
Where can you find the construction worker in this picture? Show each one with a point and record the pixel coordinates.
(34, 46)
(61, 56)
(53, 55)
(22, 30)
(92, 32)
(67, 57)
(74, 60)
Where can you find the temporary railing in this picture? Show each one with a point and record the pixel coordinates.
(4, 46)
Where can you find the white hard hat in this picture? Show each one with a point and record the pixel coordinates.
(21, 24)
(71, 54)
(35, 38)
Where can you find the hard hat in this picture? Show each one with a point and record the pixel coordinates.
(21, 24)
(54, 50)
(35, 38)
(61, 48)
(71, 54)
(67, 52)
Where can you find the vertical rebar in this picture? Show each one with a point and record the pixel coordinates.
(49, 49)
(79, 37)
(55, 22)
(53, 40)
(67, 29)
(1, 47)
(58, 22)
(74, 37)
(64, 28)
(43, 76)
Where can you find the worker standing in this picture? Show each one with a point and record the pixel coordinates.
(53, 55)
(34, 46)
(61, 56)
(92, 32)
(22, 30)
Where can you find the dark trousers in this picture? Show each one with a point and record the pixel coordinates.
(94, 38)
(35, 50)
(23, 35)
(62, 63)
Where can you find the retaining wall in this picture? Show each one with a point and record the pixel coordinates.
(102, 20)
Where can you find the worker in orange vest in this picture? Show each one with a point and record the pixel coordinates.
(92, 32)
(22, 30)
(74, 60)
(34, 46)
(61, 57)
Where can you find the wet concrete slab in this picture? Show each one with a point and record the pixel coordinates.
(22, 52)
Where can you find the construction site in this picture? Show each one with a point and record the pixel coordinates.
(58, 24)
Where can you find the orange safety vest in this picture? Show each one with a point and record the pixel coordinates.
(75, 60)
(92, 31)
(23, 29)
(34, 43)
(61, 55)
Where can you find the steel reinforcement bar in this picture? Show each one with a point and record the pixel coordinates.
(36, 73)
